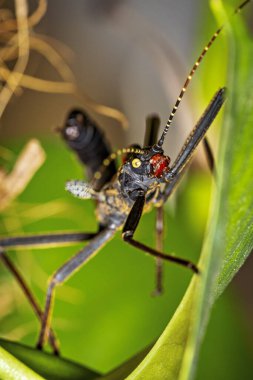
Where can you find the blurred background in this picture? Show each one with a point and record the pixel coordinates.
(134, 57)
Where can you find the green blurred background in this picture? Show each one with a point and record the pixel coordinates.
(105, 313)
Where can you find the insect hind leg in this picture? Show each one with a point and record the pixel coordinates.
(151, 134)
(159, 246)
(30, 297)
(66, 271)
(40, 241)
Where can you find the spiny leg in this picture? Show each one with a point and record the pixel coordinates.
(30, 297)
(129, 230)
(159, 247)
(63, 274)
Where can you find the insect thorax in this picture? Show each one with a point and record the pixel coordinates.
(114, 204)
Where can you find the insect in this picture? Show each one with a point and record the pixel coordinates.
(146, 179)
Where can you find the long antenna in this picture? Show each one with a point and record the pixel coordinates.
(111, 158)
(192, 72)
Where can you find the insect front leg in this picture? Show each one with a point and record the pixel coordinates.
(191, 143)
(65, 272)
(129, 230)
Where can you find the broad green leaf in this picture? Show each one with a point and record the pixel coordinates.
(30, 363)
(126, 368)
(229, 239)
(21, 360)
(12, 369)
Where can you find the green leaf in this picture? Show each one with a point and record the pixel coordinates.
(229, 239)
(13, 369)
(126, 368)
(21, 362)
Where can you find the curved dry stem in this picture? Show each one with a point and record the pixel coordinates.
(101, 109)
(42, 85)
(17, 47)
(34, 19)
(23, 54)
(55, 87)
(39, 44)
(27, 164)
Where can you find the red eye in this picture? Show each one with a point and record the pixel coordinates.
(160, 164)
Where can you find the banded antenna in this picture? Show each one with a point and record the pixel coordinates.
(192, 72)
(112, 157)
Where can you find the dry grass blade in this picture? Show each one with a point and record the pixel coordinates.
(29, 161)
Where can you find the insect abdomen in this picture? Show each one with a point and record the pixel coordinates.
(86, 139)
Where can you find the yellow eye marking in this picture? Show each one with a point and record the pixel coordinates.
(136, 163)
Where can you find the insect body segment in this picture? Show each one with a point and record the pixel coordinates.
(87, 140)
(136, 174)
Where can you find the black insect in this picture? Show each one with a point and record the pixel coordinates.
(146, 179)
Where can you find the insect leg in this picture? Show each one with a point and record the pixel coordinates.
(43, 241)
(151, 133)
(152, 128)
(32, 300)
(159, 247)
(67, 270)
(209, 154)
(192, 142)
(129, 230)
(40, 241)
